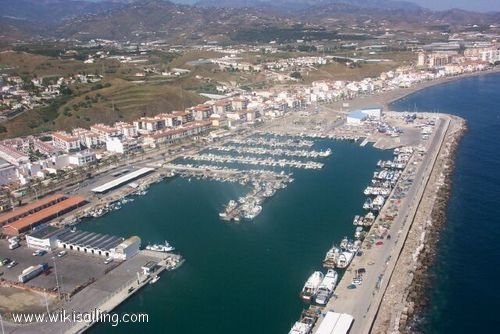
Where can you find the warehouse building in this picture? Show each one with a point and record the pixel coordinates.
(98, 244)
(25, 222)
(29, 209)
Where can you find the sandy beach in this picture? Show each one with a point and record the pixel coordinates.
(385, 99)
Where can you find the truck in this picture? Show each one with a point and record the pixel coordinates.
(32, 272)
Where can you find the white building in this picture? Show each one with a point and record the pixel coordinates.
(8, 173)
(356, 117)
(82, 158)
(121, 145)
(127, 248)
(65, 142)
(491, 55)
(373, 112)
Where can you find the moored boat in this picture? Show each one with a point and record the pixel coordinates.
(331, 257)
(326, 288)
(161, 248)
(155, 279)
(311, 287)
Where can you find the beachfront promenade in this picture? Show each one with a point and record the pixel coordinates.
(363, 302)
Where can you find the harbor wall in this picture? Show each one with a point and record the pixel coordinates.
(405, 294)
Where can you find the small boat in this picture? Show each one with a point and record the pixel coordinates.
(155, 279)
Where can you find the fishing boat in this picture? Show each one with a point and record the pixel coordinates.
(161, 248)
(331, 257)
(326, 287)
(345, 259)
(311, 287)
(306, 323)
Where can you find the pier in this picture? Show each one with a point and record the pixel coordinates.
(248, 160)
(378, 261)
(264, 183)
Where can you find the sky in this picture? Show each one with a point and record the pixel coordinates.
(475, 5)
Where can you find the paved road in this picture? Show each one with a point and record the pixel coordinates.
(362, 303)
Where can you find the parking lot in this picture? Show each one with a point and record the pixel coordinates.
(73, 269)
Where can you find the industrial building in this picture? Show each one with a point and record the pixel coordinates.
(25, 219)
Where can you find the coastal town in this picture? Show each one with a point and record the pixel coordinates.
(258, 116)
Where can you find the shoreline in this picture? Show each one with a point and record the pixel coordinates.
(428, 84)
(387, 98)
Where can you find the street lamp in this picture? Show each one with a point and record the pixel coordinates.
(1, 323)
(57, 280)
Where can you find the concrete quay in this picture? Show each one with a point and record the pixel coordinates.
(379, 260)
(103, 295)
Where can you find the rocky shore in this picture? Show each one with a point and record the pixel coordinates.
(405, 294)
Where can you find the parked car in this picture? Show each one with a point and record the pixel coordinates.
(62, 253)
(12, 264)
(108, 260)
(39, 252)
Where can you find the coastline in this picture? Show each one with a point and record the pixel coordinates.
(429, 84)
(385, 99)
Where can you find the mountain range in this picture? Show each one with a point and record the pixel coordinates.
(203, 20)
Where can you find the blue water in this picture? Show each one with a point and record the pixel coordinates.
(241, 278)
(464, 296)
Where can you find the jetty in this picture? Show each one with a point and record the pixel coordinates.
(381, 253)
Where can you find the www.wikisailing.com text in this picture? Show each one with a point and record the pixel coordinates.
(95, 316)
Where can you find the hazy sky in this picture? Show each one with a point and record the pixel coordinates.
(476, 5)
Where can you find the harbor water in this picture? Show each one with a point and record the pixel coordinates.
(246, 277)
(463, 297)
